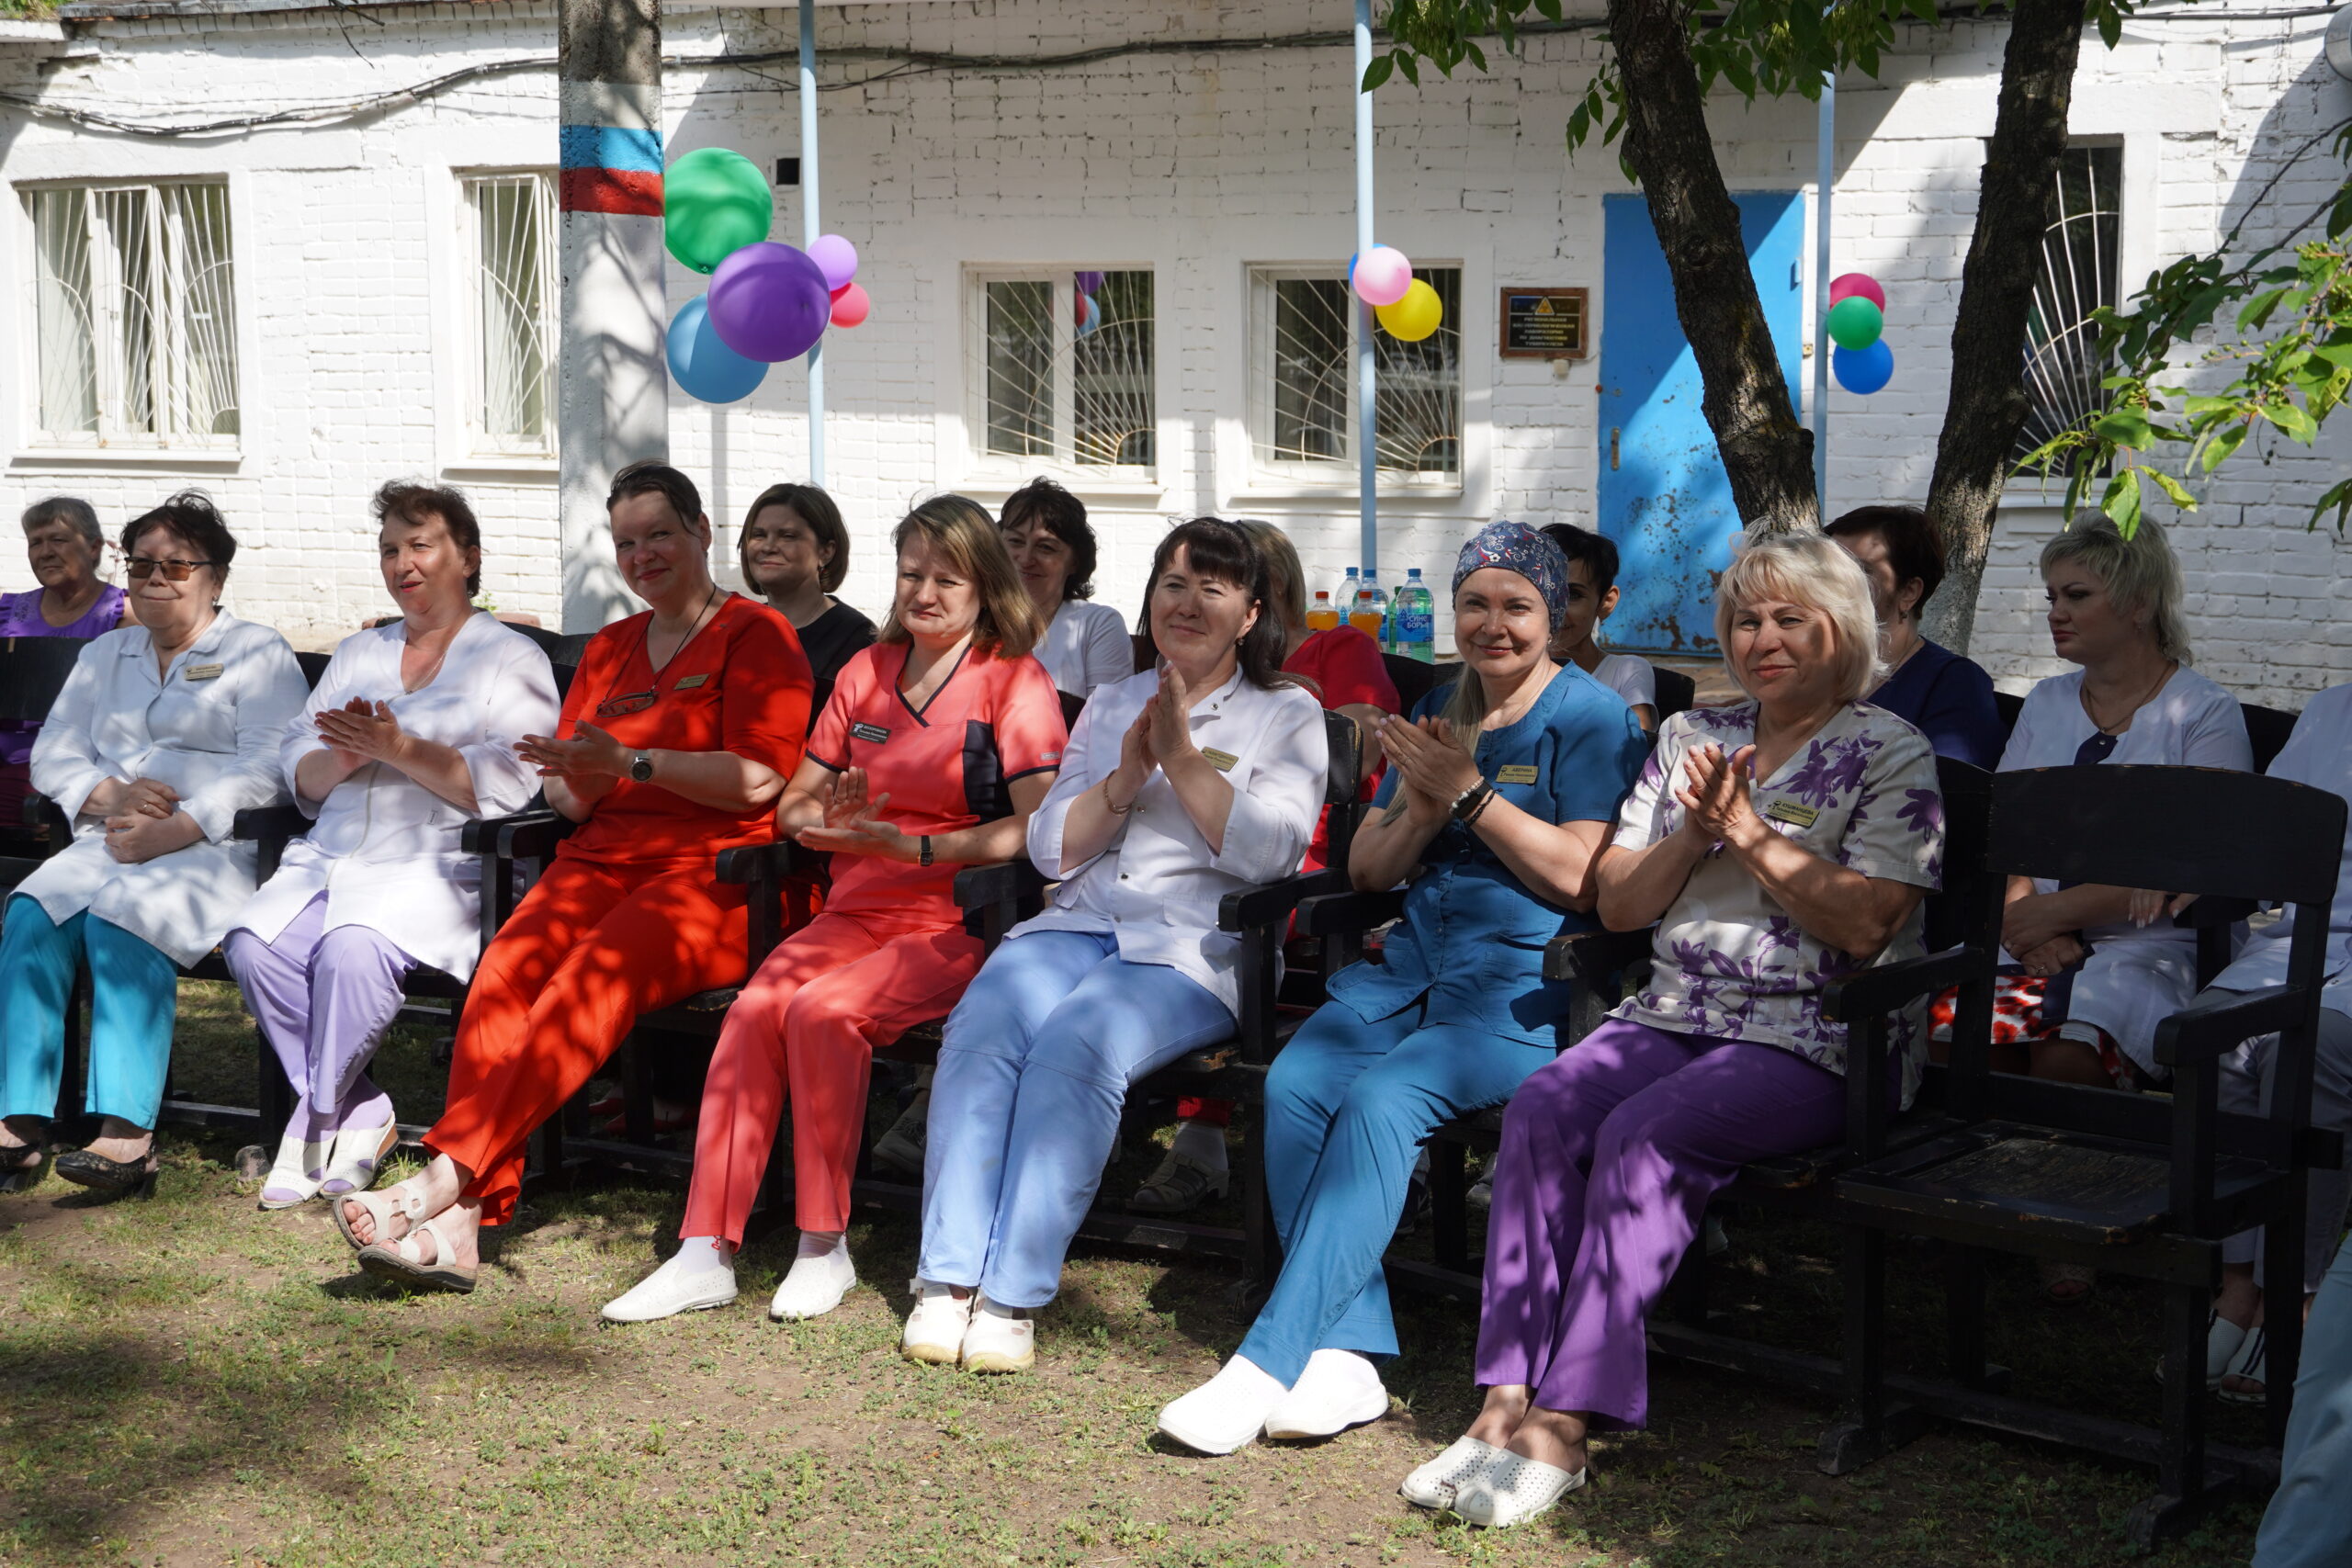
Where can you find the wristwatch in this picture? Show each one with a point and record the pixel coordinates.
(641, 767)
(924, 852)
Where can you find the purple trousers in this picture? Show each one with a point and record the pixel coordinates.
(323, 999)
(1609, 1157)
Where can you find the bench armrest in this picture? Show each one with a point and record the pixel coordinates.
(1345, 914)
(1592, 956)
(766, 862)
(1271, 903)
(996, 882)
(259, 822)
(528, 835)
(1877, 991)
(2221, 1022)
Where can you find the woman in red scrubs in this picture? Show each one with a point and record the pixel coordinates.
(679, 732)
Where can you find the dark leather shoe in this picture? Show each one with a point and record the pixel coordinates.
(110, 1177)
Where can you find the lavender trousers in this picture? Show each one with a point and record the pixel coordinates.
(1609, 1157)
(323, 999)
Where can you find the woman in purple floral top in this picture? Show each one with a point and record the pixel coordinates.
(63, 545)
(1778, 844)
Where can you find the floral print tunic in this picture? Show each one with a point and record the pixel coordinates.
(1729, 962)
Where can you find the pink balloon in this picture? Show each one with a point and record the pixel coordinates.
(768, 303)
(836, 257)
(1861, 283)
(851, 305)
(1382, 275)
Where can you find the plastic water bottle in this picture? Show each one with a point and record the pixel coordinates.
(1416, 620)
(1322, 615)
(1343, 597)
(1369, 614)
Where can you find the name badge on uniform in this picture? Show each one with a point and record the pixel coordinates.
(1517, 773)
(688, 682)
(873, 732)
(1221, 760)
(1795, 814)
(204, 671)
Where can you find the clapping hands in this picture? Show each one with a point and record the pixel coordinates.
(852, 823)
(1717, 792)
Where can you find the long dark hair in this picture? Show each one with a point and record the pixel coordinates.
(1216, 548)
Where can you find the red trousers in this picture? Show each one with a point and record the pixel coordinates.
(587, 950)
(808, 1023)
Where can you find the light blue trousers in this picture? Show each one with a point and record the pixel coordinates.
(2308, 1524)
(1348, 1105)
(134, 992)
(1034, 1067)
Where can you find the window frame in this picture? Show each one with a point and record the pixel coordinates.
(477, 445)
(986, 470)
(113, 440)
(1341, 476)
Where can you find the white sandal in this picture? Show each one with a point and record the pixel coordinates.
(1514, 1489)
(403, 1261)
(405, 1202)
(360, 1153)
(297, 1169)
(2252, 1364)
(1434, 1483)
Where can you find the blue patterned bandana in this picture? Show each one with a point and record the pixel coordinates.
(1515, 547)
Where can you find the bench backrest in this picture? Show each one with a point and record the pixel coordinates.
(32, 671)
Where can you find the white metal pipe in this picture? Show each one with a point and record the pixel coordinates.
(812, 225)
(1825, 179)
(1367, 380)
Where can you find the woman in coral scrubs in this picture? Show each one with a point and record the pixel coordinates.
(680, 728)
(936, 745)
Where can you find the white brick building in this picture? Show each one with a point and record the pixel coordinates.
(1221, 171)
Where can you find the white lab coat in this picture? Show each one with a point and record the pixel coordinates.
(1157, 884)
(209, 729)
(1086, 646)
(386, 851)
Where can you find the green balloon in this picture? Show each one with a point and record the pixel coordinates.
(714, 203)
(1855, 322)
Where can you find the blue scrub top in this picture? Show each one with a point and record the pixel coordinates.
(1472, 935)
(1949, 699)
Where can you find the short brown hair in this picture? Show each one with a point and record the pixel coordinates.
(1914, 547)
(962, 529)
(414, 501)
(812, 506)
(193, 517)
(649, 478)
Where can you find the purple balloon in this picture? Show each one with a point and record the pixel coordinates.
(836, 258)
(1091, 282)
(769, 302)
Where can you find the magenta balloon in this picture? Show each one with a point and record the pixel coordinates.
(835, 257)
(769, 302)
(1381, 276)
(1861, 283)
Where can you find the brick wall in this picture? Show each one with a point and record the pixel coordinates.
(1198, 165)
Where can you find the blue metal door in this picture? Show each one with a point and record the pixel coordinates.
(1664, 496)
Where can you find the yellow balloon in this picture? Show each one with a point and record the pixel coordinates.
(1415, 316)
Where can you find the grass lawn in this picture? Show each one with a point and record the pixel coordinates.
(187, 1381)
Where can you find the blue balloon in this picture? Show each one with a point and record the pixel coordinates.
(705, 368)
(1864, 370)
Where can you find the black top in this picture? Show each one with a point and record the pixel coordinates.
(831, 638)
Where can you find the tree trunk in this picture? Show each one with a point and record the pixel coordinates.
(1766, 452)
(1989, 403)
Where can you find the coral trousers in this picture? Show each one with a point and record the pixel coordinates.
(806, 1026)
(587, 950)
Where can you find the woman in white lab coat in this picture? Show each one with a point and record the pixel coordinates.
(410, 731)
(164, 731)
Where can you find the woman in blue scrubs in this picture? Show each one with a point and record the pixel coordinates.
(1500, 792)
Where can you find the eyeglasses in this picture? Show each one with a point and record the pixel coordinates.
(627, 702)
(142, 569)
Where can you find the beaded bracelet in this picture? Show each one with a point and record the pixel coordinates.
(1113, 809)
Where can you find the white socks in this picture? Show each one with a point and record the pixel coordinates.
(821, 1276)
(1227, 1411)
(1201, 1144)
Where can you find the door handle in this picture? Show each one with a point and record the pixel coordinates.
(1613, 432)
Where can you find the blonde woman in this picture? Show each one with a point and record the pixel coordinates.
(936, 745)
(1778, 844)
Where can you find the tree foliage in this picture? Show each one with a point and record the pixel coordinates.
(2287, 308)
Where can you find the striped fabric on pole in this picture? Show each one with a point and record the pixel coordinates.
(611, 168)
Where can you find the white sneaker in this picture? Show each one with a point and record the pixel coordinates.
(1512, 1489)
(1339, 1389)
(936, 1327)
(689, 1282)
(996, 1341)
(1434, 1484)
(815, 1284)
(1226, 1412)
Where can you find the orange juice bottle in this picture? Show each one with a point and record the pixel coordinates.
(1325, 616)
(1369, 614)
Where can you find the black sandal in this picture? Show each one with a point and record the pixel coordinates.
(111, 1178)
(24, 1173)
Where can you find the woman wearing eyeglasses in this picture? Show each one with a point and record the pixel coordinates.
(677, 736)
(164, 731)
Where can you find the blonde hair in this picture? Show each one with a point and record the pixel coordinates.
(2140, 573)
(1289, 579)
(962, 530)
(1814, 570)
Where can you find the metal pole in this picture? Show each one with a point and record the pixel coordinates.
(612, 377)
(1825, 180)
(812, 225)
(1367, 380)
